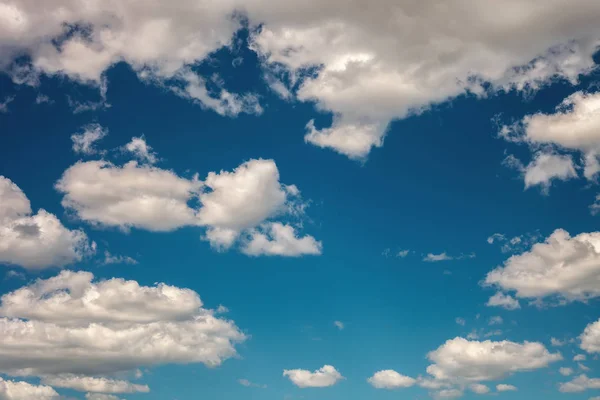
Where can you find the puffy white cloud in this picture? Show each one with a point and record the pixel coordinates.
(579, 357)
(226, 203)
(546, 167)
(575, 125)
(590, 338)
(280, 240)
(70, 324)
(339, 325)
(243, 199)
(141, 150)
(94, 384)
(505, 388)
(556, 342)
(460, 360)
(580, 384)
(390, 379)
(562, 265)
(565, 371)
(505, 301)
(84, 142)
(373, 66)
(323, 377)
(378, 65)
(15, 390)
(35, 241)
(479, 388)
(133, 195)
(543, 169)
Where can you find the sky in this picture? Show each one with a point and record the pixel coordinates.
(299, 200)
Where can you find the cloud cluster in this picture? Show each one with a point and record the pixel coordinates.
(35, 241)
(390, 379)
(76, 333)
(563, 266)
(367, 67)
(227, 203)
(15, 390)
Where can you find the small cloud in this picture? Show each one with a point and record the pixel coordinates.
(84, 141)
(42, 98)
(115, 259)
(402, 253)
(4, 104)
(386, 252)
(564, 371)
(505, 301)
(437, 257)
(460, 321)
(497, 320)
(247, 383)
(579, 357)
(339, 325)
(221, 309)
(141, 150)
(12, 274)
(556, 342)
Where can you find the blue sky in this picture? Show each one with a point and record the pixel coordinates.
(431, 234)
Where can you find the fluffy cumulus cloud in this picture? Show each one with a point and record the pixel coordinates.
(462, 360)
(390, 379)
(590, 338)
(562, 266)
(280, 240)
(479, 388)
(35, 241)
(76, 332)
(323, 377)
(505, 388)
(226, 203)
(377, 65)
(369, 66)
(132, 195)
(575, 126)
(15, 390)
(505, 301)
(565, 371)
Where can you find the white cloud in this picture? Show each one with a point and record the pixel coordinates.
(595, 206)
(15, 390)
(505, 388)
(393, 62)
(430, 257)
(575, 125)
(243, 199)
(556, 342)
(565, 371)
(479, 388)
(471, 361)
(402, 253)
(590, 338)
(339, 325)
(69, 324)
(280, 240)
(544, 169)
(35, 241)
(579, 357)
(448, 394)
(460, 321)
(496, 320)
(116, 259)
(390, 379)
(403, 57)
(580, 384)
(84, 142)
(94, 384)
(505, 301)
(133, 195)
(563, 266)
(323, 377)
(141, 150)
